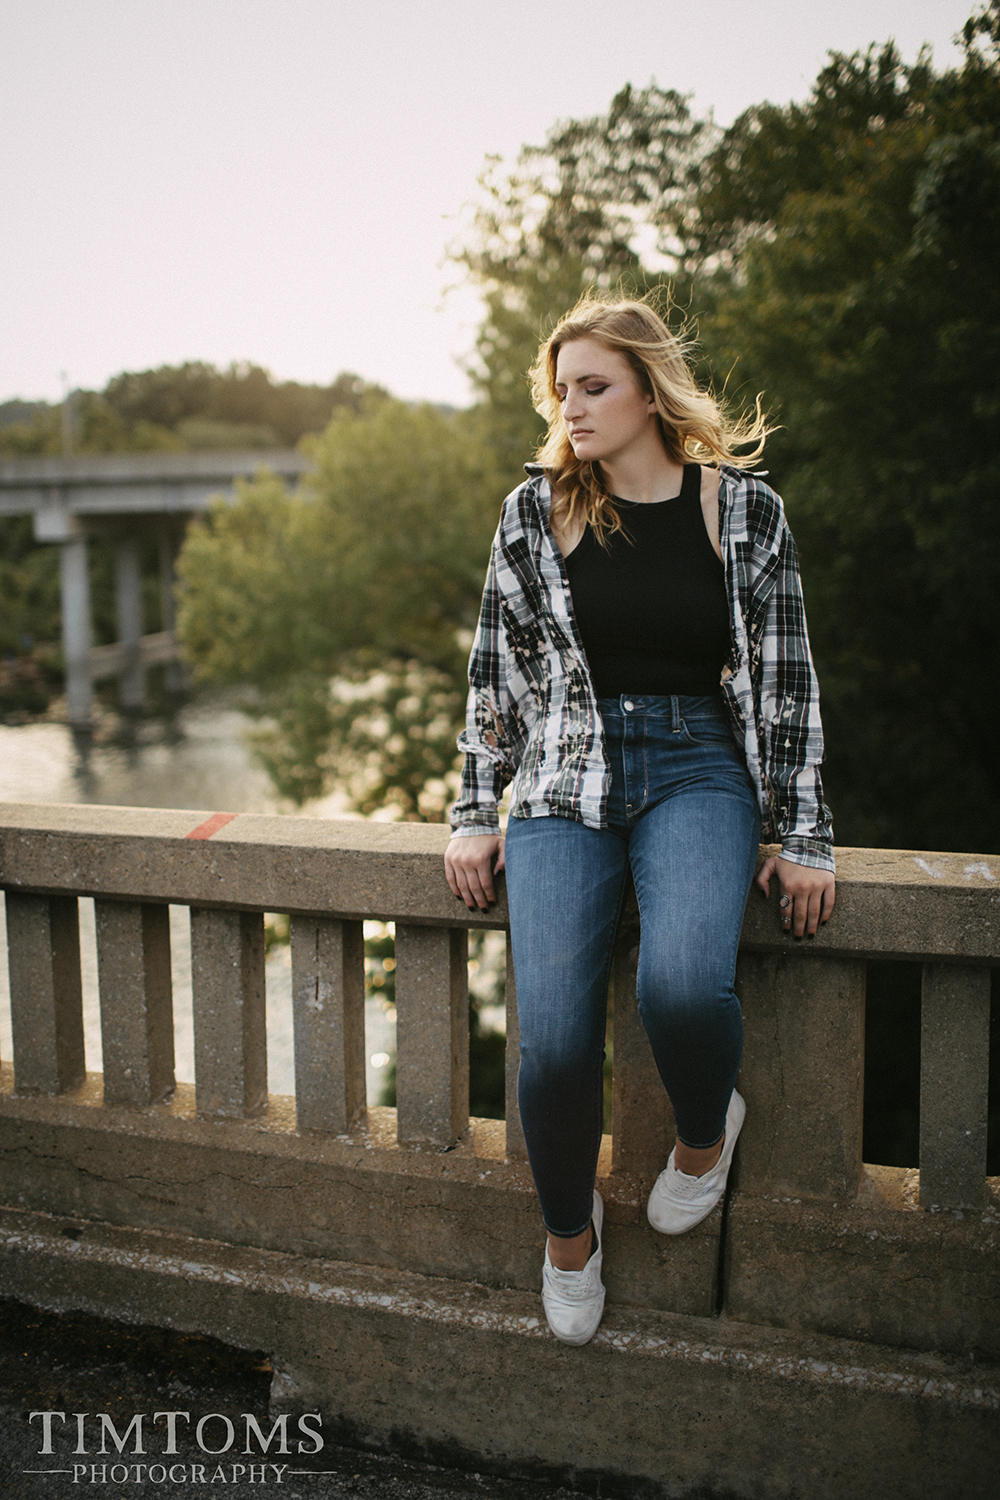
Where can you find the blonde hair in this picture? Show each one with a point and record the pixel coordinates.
(693, 425)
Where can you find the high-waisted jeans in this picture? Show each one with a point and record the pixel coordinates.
(683, 814)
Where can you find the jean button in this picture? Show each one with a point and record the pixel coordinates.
(629, 705)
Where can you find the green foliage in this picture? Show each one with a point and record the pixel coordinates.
(862, 295)
(349, 604)
(241, 406)
(568, 217)
(29, 587)
(386, 738)
(193, 406)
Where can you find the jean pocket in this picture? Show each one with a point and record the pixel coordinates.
(711, 730)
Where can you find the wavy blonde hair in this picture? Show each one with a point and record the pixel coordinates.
(693, 424)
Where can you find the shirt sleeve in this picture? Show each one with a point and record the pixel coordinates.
(491, 738)
(793, 732)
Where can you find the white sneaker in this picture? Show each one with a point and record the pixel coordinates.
(574, 1300)
(679, 1202)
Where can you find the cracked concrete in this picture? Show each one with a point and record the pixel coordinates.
(390, 1355)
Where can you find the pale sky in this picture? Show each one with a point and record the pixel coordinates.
(278, 180)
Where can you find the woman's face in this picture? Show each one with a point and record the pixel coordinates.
(603, 408)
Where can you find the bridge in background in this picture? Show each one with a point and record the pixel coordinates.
(125, 498)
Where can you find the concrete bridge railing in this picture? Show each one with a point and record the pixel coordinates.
(373, 1251)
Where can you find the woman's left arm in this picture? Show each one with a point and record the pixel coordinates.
(807, 894)
(794, 750)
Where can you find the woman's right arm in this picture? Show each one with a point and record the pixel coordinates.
(493, 737)
(495, 733)
(475, 852)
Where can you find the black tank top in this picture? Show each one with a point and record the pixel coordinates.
(652, 609)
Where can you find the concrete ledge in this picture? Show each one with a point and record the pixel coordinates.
(889, 902)
(465, 1213)
(339, 867)
(877, 1268)
(880, 1268)
(465, 1372)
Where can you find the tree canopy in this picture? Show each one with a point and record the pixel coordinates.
(571, 214)
(855, 241)
(349, 605)
(193, 406)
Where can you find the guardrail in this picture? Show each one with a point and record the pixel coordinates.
(805, 1001)
(800, 1153)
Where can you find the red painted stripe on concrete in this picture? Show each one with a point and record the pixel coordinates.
(211, 825)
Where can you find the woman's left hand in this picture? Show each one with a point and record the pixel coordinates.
(807, 895)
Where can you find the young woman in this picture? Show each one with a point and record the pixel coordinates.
(642, 674)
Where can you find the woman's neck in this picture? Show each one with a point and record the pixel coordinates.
(643, 475)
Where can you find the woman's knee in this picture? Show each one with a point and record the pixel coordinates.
(686, 975)
(557, 1061)
(687, 1000)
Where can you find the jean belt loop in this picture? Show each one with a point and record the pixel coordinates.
(675, 714)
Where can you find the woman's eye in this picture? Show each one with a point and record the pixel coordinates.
(596, 390)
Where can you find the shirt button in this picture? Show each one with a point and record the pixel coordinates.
(629, 705)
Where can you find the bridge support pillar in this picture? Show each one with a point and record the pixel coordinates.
(170, 546)
(75, 589)
(128, 603)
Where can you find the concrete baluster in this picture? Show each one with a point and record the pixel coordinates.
(515, 1147)
(954, 1085)
(328, 1008)
(46, 996)
(802, 1074)
(230, 1032)
(137, 1020)
(128, 604)
(643, 1121)
(432, 1034)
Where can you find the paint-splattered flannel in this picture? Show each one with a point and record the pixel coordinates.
(532, 714)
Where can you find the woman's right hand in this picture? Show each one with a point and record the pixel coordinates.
(470, 864)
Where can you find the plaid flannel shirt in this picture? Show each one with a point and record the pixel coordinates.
(532, 713)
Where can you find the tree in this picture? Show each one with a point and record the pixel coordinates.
(571, 214)
(189, 407)
(854, 240)
(349, 605)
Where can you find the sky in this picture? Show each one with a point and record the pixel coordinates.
(280, 180)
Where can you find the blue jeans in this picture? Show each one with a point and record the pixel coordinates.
(683, 814)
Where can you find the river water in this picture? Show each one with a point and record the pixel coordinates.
(199, 760)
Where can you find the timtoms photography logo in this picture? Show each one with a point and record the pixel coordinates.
(93, 1451)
